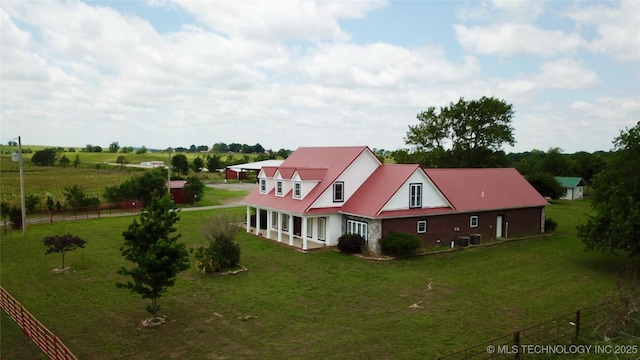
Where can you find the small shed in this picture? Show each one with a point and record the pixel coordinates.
(574, 187)
(176, 188)
(239, 172)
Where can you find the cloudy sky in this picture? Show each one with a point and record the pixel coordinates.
(313, 73)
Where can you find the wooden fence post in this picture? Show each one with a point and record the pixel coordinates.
(516, 342)
(577, 325)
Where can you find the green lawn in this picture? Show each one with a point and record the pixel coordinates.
(292, 305)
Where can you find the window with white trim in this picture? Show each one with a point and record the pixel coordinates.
(357, 227)
(285, 222)
(322, 222)
(310, 228)
(415, 195)
(279, 187)
(338, 191)
(274, 220)
(473, 221)
(422, 226)
(263, 186)
(297, 190)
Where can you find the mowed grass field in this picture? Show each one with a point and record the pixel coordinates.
(293, 305)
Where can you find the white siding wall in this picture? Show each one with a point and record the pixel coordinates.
(334, 229)
(431, 197)
(353, 177)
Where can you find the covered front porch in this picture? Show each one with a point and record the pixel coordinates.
(299, 231)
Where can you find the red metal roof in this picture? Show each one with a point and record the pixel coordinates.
(334, 159)
(371, 197)
(485, 189)
(465, 189)
(311, 174)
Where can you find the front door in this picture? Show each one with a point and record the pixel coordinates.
(499, 222)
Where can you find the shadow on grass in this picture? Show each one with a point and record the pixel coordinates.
(609, 264)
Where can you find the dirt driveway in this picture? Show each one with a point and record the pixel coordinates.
(234, 186)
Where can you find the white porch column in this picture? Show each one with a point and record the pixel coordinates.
(291, 230)
(248, 218)
(279, 226)
(304, 233)
(257, 221)
(269, 222)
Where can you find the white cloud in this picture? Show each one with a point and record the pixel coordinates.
(511, 39)
(383, 65)
(269, 20)
(566, 74)
(617, 25)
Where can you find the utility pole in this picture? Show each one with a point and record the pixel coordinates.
(24, 210)
(169, 173)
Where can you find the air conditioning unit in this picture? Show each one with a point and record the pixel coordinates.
(475, 239)
(463, 241)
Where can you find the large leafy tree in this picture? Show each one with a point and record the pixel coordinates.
(46, 157)
(62, 244)
(194, 189)
(463, 134)
(180, 164)
(155, 252)
(546, 184)
(616, 200)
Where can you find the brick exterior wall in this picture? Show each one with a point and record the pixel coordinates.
(442, 229)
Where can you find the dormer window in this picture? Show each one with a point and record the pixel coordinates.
(279, 187)
(415, 195)
(297, 190)
(338, 191)
(263, 186)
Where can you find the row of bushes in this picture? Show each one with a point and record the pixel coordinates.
(394, 244)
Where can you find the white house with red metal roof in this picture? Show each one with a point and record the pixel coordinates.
(319, 193)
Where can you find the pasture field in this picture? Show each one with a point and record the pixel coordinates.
(293, 305)
(92, 174)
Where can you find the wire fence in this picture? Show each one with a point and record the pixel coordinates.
(50, 344)
(127, 207)
(563, 330)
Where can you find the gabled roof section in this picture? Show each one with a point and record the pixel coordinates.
(333, 160)
(378, 189)
(485, 189)
(269, 171)
(286, 172)
(570, 182)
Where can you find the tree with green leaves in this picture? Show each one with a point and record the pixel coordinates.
(77, 197)
(114, 147)
(46, 157)
(546, 184)
(193, 189)
(180, 164)
(197, 164)
(62, 244)
(463, 134)
(158, 257)
(143, 187)
(122, 160)
(616, 200)
(214, 162)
